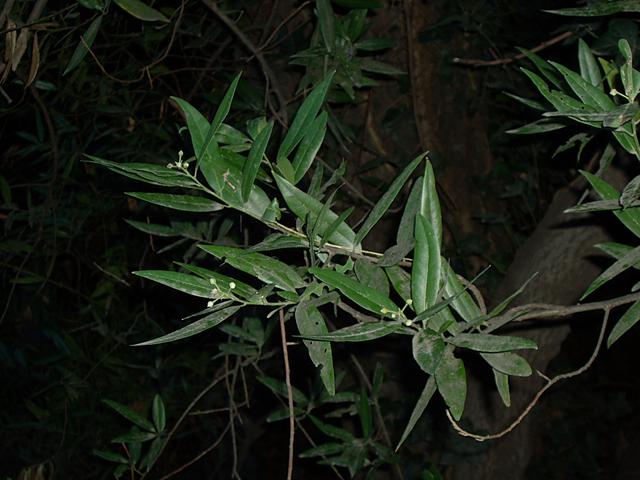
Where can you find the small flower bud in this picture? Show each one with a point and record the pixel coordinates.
(408, 301)
(408, 323)
(210, 304)
(232, 285)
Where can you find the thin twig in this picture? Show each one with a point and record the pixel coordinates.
(200, 455)
(536, 398)
(541, 310)
(287, 376)
(186, 411)
(505, 61)
(270, 77)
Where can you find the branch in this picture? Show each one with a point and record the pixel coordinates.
(536, 398)
(287, 376)
(507, 60)
(541, 310)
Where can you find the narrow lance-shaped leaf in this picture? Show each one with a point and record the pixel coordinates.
(451, 379)
(252, 165)
(326, 22)
(183, 282)
(598, 9)
(305, 206)
(220, 115)
(508, 363)
(628, 320)
(364, 296)
(589, 94)
(483, 342)
(130, 415)
(187, 203)
(387, 199)
(147, 172)
(426, 268)
(263, 267)
(589, 68)
(628, 260)
(141, 11)
(158, 413)
(428, 350)
(502, 384)
(194, 328)
(427, 392)
(405, 236)
(361, 332)
(311, 322)
(85, 43)
(309, 147)
(429, 203)
(304, 118)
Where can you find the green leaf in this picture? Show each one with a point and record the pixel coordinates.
(311, 322)
(527, 101)
(589, 69)
(183, 282)
(601, 8)
(199, 326)
(111, 457)
(364, 296)
(370, 65)
(303, 206)
(426, 268)
(628, 260)
(267, 269)
(462, 302)
(508, 363)
(326, 23)
(130, 415)
(158, 413)
(141, 11)
(586, 92)
(502, 384)
(429, 203)
(405, 235)
(252, 165)
(364, 413)
(427, 392)
(452, 383)
(428, 350)
(187, 203)
(134, 437)
(372, 276)
(400, 280)
(147, 172)
(309, 146)
(484, 342)
(81, 50)
(279, 241)
(221, 114)
(152, 453)
(332, 431)
(628, 320)
(303, 120)
(387, 199)
(539, 126)
(323, 450)
(222, 282)
(629, 217)
(543, 67)
(361, 332)
(92, 4)
(631, 192)
(280, 388)
(616, 250)
(154, 229)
